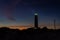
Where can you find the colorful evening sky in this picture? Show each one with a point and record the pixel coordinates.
(21, 12)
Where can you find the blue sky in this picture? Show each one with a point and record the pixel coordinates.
(22, 11)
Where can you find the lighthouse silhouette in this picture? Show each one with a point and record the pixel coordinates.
(36, 20)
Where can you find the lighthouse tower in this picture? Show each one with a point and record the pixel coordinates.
(36, 20)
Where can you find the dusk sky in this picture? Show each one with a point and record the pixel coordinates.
(21, 12)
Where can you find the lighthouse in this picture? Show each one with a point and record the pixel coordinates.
(36, 20)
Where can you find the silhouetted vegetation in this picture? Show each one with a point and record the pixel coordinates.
(29, 34)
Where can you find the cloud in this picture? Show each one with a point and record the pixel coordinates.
(9, 8)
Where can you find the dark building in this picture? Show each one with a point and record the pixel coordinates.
(36, 20)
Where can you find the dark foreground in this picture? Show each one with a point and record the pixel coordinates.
(29, 34)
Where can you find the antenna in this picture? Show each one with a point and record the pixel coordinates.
(54, 24)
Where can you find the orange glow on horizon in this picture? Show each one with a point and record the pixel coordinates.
(19, 27)
(30, 26)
